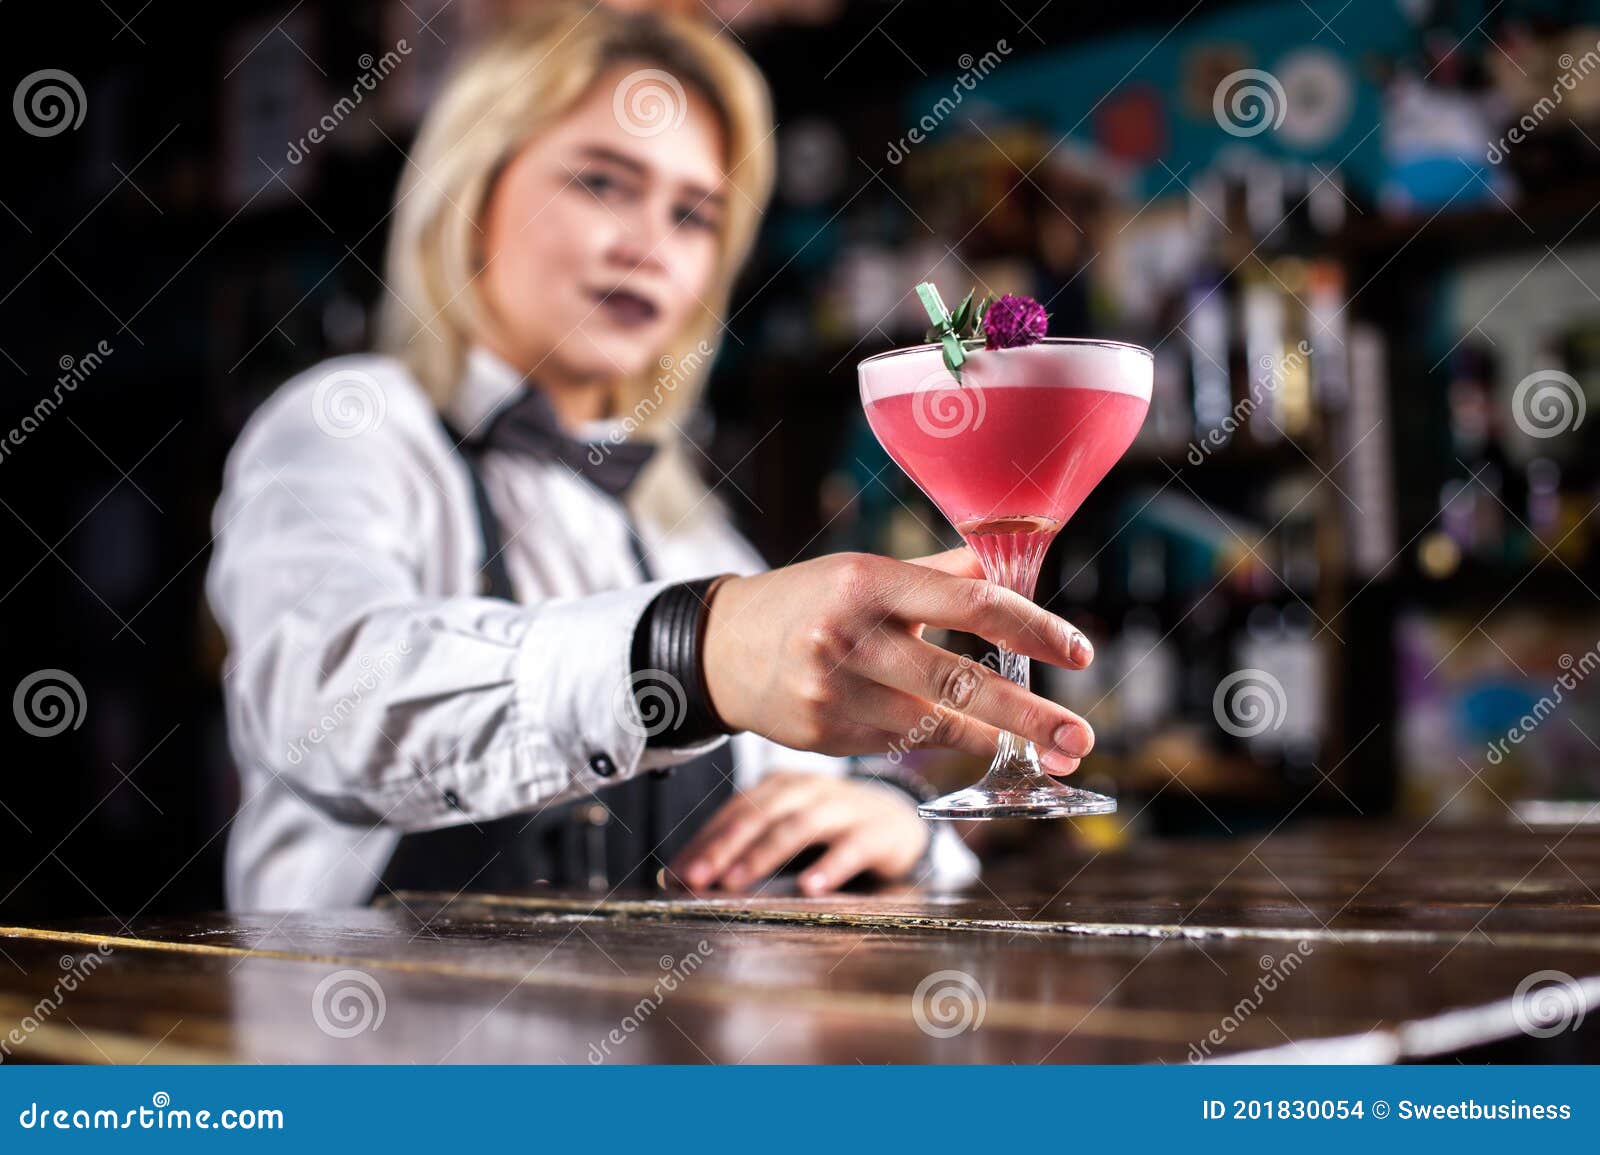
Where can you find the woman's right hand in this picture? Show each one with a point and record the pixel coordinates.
(828, 655)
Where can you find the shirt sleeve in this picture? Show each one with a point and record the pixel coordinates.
(369, 696)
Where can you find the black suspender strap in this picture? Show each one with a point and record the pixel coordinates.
(618, 838)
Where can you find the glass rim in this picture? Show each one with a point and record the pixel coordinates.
(926, 346)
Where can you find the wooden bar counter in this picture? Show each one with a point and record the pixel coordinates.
(1358, 943)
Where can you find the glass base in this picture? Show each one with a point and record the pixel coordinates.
(1048, 799)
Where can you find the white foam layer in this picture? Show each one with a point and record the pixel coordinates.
(1106, 366)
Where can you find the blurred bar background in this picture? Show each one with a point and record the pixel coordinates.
(1348, 569)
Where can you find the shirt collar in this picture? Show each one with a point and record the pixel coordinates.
(489, 383)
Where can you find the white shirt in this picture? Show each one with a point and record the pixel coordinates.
(371, 690)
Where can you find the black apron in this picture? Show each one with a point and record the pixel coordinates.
(620, 837)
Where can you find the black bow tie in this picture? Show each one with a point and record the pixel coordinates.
(528, 424)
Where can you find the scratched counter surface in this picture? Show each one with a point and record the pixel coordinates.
(1337, 944)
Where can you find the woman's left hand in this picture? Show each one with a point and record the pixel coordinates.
(865, 827)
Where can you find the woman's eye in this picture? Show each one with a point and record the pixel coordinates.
(599, 184)
(693, 218)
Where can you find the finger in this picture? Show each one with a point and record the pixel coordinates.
(1058, 764)
(991, 611)
(959, 562)
(723, 845)
(961, 687)
(782, 841)
(913, 721)
(842, 861)
(694, 864)
(708, 832)
(767, 794)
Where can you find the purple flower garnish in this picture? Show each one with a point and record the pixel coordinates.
(1012, 321)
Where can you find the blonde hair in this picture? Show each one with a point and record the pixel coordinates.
(525, 78)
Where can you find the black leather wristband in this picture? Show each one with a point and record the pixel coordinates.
(668, 649)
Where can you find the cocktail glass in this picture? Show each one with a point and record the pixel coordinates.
(1008, 454)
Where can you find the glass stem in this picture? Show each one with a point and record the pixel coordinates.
(1012, 559)
(1013, 748)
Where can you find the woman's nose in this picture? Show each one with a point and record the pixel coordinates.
(640, 236)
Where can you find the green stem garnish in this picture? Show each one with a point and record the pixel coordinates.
(953, 330)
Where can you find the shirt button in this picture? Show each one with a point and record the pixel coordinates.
(451, 800)
(602, 765)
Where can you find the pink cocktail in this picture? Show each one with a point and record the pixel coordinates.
(1008, 454)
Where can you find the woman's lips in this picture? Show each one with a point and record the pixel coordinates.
(626, 309)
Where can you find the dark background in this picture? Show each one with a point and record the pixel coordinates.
(1342, 563)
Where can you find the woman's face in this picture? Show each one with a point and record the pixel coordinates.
(600, 239)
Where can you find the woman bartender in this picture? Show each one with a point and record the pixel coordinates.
(483, 625)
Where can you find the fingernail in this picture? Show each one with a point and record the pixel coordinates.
(1058, 762)
(1082, 652)
(695, 875)
(813, 881)
(734, 878)
(1071, 739)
